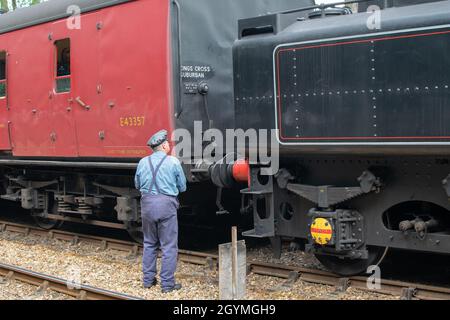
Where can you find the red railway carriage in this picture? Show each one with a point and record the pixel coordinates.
(134, 67)
(116, 91)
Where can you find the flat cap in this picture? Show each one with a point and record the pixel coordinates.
(157, 139)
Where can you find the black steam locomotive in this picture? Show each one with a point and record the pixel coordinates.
(361, 105)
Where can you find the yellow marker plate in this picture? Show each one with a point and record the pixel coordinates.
(321, 231)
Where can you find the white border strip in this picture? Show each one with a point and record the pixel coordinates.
(368, 35)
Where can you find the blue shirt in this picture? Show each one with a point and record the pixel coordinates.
(170, 177)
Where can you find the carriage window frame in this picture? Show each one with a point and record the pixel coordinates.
(62, 69)
(3, 71)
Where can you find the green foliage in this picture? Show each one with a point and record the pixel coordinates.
(8, 5)
(4, 5)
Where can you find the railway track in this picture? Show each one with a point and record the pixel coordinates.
(291, 274)
(47, 282)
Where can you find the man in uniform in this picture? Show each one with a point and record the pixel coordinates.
(160, 178)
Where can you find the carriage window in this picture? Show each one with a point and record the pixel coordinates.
(2, 74)
(62, 83)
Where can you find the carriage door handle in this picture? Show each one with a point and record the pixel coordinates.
(81, 103)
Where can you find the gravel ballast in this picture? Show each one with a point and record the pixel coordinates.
(118, 271)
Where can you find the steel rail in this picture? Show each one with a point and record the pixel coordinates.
(44, 282)
(406, 290)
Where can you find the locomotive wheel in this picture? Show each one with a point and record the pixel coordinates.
(349, 267)
(47, 224)
(135, 231)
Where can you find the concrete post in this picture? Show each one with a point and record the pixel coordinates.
(232, 268)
